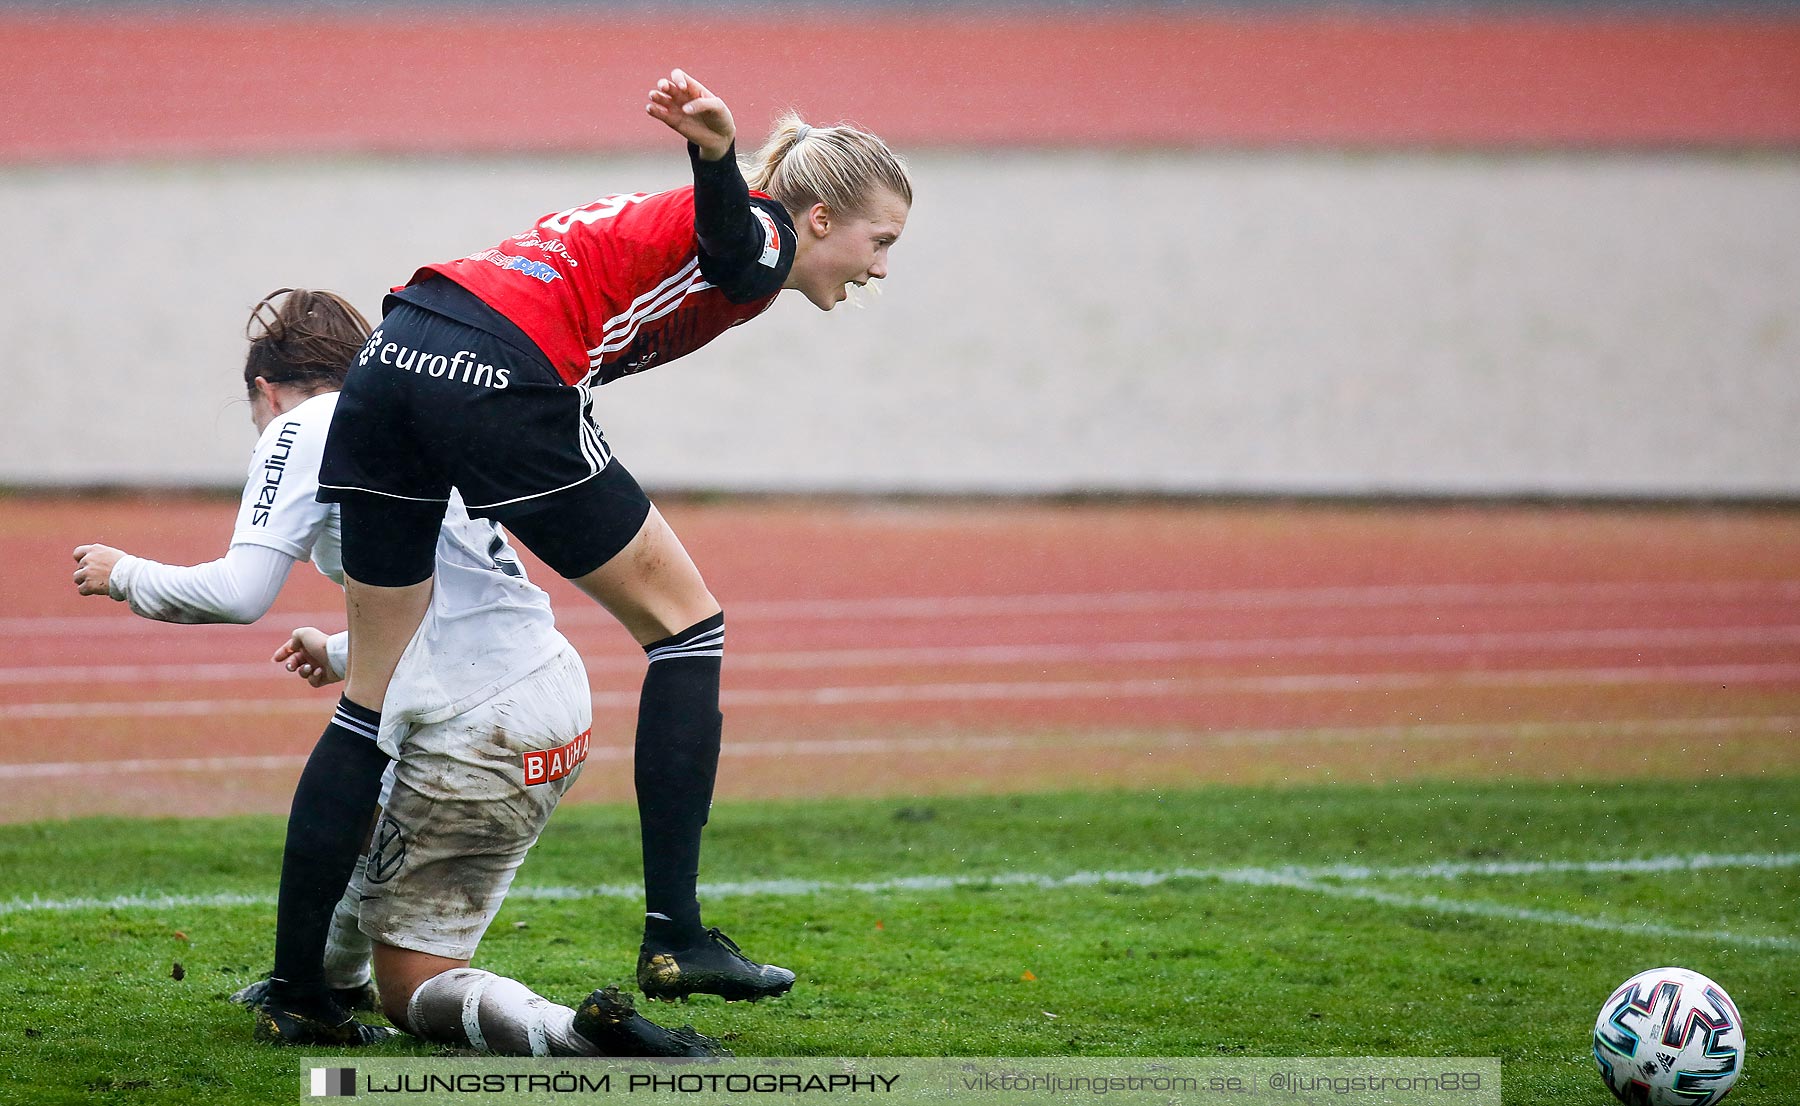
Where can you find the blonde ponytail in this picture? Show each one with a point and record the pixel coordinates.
(801, 165)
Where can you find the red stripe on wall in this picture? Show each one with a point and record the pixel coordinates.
(79, 87)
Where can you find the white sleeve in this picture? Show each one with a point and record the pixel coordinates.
(238, 587)
(337, 654)
(280, 508)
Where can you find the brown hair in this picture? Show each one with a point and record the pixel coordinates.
(303, 338)
(840, 166)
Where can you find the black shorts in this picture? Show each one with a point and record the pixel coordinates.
(432, 403)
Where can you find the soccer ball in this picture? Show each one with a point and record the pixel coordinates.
(1669, 1037)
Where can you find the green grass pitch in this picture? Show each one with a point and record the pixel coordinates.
(1485, 920)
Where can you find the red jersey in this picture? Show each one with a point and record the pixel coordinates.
(619, 285)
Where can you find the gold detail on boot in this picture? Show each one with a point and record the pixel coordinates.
(663, 969)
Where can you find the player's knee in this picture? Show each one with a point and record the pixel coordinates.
(402, 976)
(697, 613)
(397, 1007)
(432, 1009)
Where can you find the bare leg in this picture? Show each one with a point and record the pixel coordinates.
(399, 972)
(651, 586)
(382, 623)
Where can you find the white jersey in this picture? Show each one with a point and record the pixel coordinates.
(281, 510)
(487, 627)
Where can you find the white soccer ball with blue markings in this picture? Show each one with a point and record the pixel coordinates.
(1669, 1037)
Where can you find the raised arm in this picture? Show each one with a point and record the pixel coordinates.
(741, 249)
(689, 109)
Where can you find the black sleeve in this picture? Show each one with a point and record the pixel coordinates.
(734, 230)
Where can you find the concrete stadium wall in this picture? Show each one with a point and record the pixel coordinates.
(1095, 294)
(1621, 324)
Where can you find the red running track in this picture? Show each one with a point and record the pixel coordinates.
(135, 83)
(898, 649)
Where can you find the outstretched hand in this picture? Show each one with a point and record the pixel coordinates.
(689, 109)
(305, 654)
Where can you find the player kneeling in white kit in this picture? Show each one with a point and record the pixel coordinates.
(472, 786)
(487, 722)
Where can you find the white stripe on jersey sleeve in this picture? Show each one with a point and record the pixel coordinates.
(613, 345)
(640, 304)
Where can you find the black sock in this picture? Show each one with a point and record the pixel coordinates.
(334, 803)
(677, 758)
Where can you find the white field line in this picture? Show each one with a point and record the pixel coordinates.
(990, 606)
(1076, 653)
(1344, 882)
(1481, 908)
(1023, 690)
(911, 746)
(221, 766)
(1306, 684)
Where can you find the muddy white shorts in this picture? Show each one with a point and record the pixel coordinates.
(466, 802)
